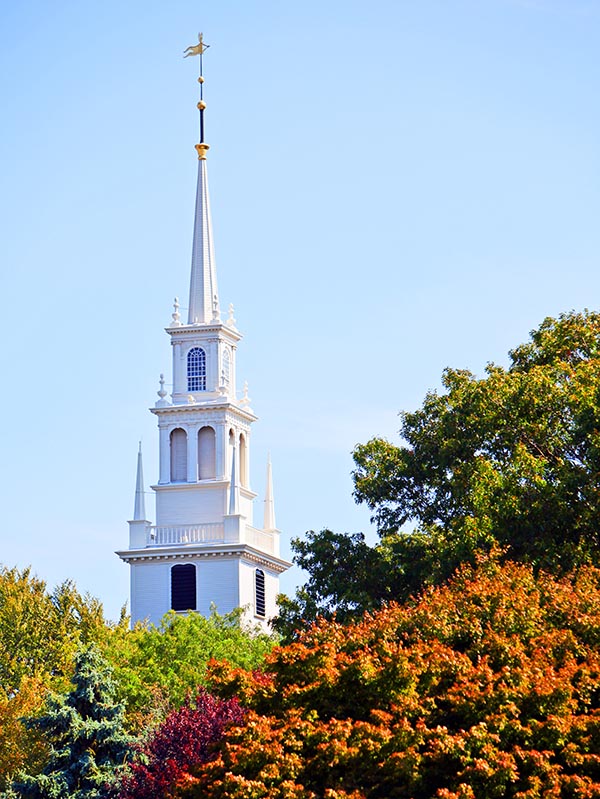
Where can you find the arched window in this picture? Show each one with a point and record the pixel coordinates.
(196, 369)
(178, 455)
(259, 593)
(183, 587)
(243, 461)
(206, 453)
(226, 376)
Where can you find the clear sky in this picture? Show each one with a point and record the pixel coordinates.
(397, 186)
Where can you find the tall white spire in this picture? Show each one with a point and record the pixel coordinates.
(203, 284)
(139, 509)
(204, 297)
(269, 519)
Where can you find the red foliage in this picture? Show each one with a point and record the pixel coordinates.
(186, 738)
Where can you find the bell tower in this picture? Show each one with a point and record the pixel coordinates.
(203, 550)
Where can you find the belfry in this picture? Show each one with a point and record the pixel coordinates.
(203, 551)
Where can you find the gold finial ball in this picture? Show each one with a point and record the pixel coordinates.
(200, 79)
(201, 105)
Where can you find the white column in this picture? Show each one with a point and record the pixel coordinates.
(179, 372)
(213, 366)
(221, 449)
(232, 379)
(165, 456)
(247, 437)
(192, 454)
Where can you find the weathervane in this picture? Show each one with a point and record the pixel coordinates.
(196, 49)
(199, 49)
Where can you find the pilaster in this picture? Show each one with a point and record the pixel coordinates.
(192, 453)
(165, 455)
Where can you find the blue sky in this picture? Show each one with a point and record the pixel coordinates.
(396, 187)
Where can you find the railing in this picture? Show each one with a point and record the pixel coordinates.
(187, 534)
(260, 539)
(211, 533)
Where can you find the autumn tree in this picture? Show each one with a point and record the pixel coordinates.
(184, 739)
(488, 686)
(20, 747)
(510, 461)
(84, 731)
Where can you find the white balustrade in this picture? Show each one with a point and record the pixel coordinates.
(260, 539)
(211, 533)
(186, 534)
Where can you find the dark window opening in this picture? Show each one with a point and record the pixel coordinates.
(260, 592)
(183, 587)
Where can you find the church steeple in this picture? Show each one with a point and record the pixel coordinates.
(203, 551)
(204, 297)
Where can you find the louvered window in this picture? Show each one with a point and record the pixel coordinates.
(183, 587)
(178, 456)
(259, 590)
(196, 369)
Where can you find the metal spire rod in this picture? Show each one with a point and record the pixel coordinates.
(199, 49)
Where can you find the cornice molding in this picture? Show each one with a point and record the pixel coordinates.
(205, 408)
(203, 485)
(201, 331)
(236, 551)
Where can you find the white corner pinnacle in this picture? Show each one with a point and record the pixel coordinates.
(269, 519)
(139, 509)
(203, 282)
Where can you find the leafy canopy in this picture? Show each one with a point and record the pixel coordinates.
(40, 630)
(488, 686)
(184, 739)
(156, 668)
(508, 462)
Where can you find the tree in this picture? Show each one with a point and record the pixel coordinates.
(21, 748)
(346, 577)
(156, 668)
(85, 735)
(184, 739)
(40, 631)
(509, 462)
(488, 686)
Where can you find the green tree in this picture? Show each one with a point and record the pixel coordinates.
(508, 462)
(85, 733)
(40, 629)
(156, 667)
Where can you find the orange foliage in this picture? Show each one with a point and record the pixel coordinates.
(486, 687)
(20, 747)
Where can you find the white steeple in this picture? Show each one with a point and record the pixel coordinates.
(269, 518)
(203, 550)
(203, 282)
(139, 509)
